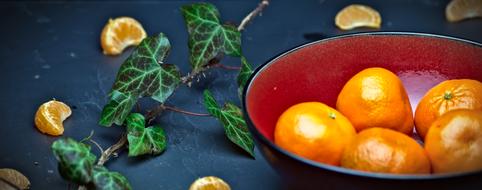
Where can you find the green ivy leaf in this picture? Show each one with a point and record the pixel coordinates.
(234, 125)
(103, 179)
(207, 37)
(232, 40)
(75, 160)
(117, 109)
(143, 74)
(244, 74)
(142, 140)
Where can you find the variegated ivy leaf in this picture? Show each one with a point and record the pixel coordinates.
(207, 36)
(142, 140)
(234, 125)
(143, 74)
(104, 179)
(117, 109)
(232, 40)
(75, 160)
(244, 74)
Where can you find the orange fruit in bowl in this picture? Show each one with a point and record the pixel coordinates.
(376, 97)
(314, 131)
(458, 10)
(354, 16)
(446, 96)
(49, 117)
(385, 151)
(454, 142)
(121, 33)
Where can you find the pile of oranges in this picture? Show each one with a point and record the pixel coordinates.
(371, 127)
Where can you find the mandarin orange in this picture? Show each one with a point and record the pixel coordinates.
(376, 97)
(314, 131)
(454, 142)
(385, 151)
(447, 96)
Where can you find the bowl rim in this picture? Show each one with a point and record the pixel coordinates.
(338, 169)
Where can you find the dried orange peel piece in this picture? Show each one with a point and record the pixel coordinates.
(458, 10)
(50, 116)
(355, 15)
(121, 33)
(209, 183)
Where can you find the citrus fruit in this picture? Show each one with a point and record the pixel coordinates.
(375, 97)
(209, 183)
(385, 151)
(454, 142)
(49, 117)
(314, 131)
(446, 96)
(458, 10)
(354, 16)
(120, 33)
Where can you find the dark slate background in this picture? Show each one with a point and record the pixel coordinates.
(51, 50)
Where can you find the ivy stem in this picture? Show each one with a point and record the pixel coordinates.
(183, 111)
(112, 150)
(227, 67)
(151, 115)
(263, 4)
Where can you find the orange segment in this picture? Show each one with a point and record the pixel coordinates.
(385, 151)
(209, 183)
(454, 142)
(121, 33)
(458, 10)
(354, 16)
(49, 117)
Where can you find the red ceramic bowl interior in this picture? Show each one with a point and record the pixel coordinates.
(318, 71)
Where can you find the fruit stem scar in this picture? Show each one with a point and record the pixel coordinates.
(332, 115)
(447, 95)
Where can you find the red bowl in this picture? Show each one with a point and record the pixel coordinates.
(317, 71)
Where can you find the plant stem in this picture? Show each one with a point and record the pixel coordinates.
(183, 111)
(227, 67)
(252, 14)
(112, 150)
(151, 115)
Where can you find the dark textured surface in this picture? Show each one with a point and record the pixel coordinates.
(51, 50)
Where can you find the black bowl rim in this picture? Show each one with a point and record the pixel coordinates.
(337, 169)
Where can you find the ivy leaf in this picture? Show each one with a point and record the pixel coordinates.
(75, 160)
(207, 36)
(244, 74)
(103, 179)
(142, 140)
(143, 74)
(117, 109)
(232, 40)
(234, 125)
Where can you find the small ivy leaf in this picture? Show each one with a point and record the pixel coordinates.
(143, 74)
(207, 37)
(107, 180)
(234, 125)
(117, 109)
(198, 13)
(232, 40)
(142, 140)
(75, 160)
(244, 74)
